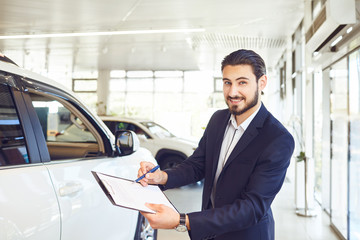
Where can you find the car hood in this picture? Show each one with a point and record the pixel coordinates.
(182, 141)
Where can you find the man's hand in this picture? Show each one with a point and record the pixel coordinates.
(164, 218)
(157, 177)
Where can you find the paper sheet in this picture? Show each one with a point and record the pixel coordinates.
(127, 193)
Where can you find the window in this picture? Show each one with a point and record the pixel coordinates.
(339, 145)
(13, 149)
(316, 7)
(283, 81)
(157, 129)
(116, 126)
(65, 133)
(354, 145)
(167, 97)
(318, 137)
(140, 85)
(84, 85)
(169, 85)
(218, 85)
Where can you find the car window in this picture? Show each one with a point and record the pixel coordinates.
(65, 133)
(158, 130)
(111, 125)
(58, 123)
(116, 126)
(12, 146)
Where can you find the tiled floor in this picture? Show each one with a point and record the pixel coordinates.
(288, 225)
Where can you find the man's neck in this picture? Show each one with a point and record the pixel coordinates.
(242, 117)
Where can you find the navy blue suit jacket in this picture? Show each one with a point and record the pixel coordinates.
(249, 182)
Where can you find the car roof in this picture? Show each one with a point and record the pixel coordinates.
(6, 59)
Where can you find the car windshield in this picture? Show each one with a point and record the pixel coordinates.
(157, 130)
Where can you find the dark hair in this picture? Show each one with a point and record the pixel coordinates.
(246, 57)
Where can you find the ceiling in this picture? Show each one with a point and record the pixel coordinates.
(222, 27)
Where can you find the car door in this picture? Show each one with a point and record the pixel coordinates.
(77, 145)
(28, 204)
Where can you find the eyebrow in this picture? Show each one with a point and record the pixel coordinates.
(239, 78)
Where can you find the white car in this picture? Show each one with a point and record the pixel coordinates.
(50, 143)
(167, 149)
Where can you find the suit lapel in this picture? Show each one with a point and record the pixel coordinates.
(250, 133)
(218, 142)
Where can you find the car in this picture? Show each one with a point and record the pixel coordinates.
(50, 144)
(167, 149)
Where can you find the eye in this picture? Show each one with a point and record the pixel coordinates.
(227, 83)
(242, 82)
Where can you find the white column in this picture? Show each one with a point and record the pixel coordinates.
(103, 91)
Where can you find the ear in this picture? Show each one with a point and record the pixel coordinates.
(262, 82)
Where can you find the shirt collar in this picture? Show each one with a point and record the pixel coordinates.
(244, 125)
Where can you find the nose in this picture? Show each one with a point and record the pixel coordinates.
(233, 91)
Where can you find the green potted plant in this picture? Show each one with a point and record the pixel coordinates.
(301, 156)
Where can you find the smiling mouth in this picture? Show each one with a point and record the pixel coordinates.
(235, 100)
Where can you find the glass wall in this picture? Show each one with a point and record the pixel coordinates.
(326, 146)
(339, 144)
(317, 139)
(181, 101)
(336, 143)
(354, 147)
(84, 85)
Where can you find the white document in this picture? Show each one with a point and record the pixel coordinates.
(129, 194)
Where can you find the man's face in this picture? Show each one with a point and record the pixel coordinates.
(241, 91)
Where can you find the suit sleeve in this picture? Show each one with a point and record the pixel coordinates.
(253, 204)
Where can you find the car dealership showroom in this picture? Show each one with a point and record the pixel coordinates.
(179, 119)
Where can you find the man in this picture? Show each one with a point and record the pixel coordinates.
(243, 157)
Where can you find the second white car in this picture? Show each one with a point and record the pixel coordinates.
(167, 149)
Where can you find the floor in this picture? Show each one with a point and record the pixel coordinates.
(288, 225)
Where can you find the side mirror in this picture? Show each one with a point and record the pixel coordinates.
(126, 142)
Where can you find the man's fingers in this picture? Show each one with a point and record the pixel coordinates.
(164, 217)
(145, 214)
(146, 166)
(142, 169)
(149, 176)
(153, 206)
(144, 182)
(150, 205)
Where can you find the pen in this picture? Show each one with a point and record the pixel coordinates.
(151, 171)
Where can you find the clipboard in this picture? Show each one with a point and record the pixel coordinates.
(129, 194)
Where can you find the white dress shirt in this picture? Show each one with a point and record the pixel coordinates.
(232, 135)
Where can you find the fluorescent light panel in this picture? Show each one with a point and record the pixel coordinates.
(109, 33)
(336, 41)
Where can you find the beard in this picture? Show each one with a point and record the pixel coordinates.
(236, 110)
